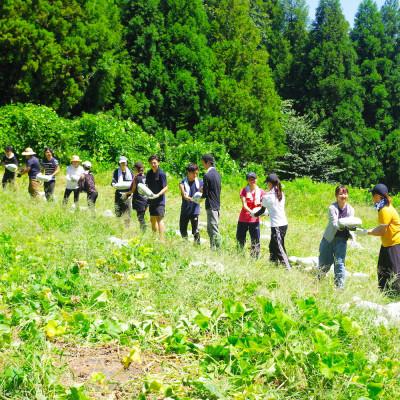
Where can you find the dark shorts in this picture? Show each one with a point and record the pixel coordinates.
(157, 211)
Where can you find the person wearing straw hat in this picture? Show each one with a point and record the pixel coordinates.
(51, 168)
(74, 173)
(122, 203)
(9, 159)
(32, 168)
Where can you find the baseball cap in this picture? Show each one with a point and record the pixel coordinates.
(123, 159)
(272, 178)
(251, 175)
(380, 189)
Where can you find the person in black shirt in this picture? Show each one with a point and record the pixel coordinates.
(139, 202)
(50, 167)
(212, 194)
(190, 210)
(8, 159)
(156, 180)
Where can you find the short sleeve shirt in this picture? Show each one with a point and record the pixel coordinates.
(49, 166)
(34, 165)
(190, 208)
(389, 216)
(156, 181)
(252, 202)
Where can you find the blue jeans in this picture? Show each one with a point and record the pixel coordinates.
(333, 253)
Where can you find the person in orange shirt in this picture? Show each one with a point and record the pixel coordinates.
(389, 232)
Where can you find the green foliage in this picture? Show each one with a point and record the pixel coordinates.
(308, 153)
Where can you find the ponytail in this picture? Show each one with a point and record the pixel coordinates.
(276, 185)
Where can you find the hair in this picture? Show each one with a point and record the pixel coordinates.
(208, 159)
(49, 149)
(341, 188)
(154, 157)
(139, 166)
(9, 148)
(276, 185)
(192, 167)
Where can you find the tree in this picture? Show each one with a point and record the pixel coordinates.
(172, 65)
(53, 52)
(368, 38)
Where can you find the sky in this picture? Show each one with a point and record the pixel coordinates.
(349, 8)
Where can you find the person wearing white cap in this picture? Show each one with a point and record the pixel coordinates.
(122, 205)
(32, 168)
(87, 184)
(74, 174)
(10, 163)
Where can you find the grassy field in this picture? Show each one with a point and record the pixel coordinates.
(81, 318)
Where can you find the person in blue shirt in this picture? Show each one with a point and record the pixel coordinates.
(50, 167)
(32, 168)
(190, 210)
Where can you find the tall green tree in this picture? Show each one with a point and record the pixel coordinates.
(368, 38)
(247, 115)
(172, 65)
(53, 53)
(334, 95)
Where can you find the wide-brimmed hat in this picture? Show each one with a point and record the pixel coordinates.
(75, 158)
(28, 152)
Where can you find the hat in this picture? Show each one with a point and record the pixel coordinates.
(251, 175)
(28, 152)
(380, 189)
(272, 178)
(123, 159)
(87, 164)
(75, 158)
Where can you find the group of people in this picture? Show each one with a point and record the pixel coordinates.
(256, 202)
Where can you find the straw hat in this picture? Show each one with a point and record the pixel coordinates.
(28, 152)
(75, 158)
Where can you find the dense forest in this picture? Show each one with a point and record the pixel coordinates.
(257, 76)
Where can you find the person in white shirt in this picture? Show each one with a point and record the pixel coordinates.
(74, 172)
(274, 202)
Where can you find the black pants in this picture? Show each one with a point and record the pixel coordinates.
(49, 190)
(140, 216)
(91, 199)
(254, 229)
(183, 225)
(121, 206)
(68, 192)
(8, 179)
(277, 250)
(389, 268)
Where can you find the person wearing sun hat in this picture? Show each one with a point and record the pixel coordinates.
(32, 168)
(73, 175)
(250, 196)
(389, 232)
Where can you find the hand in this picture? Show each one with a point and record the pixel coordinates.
(124, 196)
(361, 232)
(252, 214)
(155, 196)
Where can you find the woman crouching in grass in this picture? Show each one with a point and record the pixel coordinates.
(274, 202)
(333, 246)
(389, 231)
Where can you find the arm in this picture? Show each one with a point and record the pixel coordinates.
(380, 230)
(205, 187)
(114, 178)
(57, 170)
(260, 212)
(183, 194)
(244, 203)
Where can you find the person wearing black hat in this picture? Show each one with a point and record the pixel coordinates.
(389, 232)
(274, 202)
(251, 200)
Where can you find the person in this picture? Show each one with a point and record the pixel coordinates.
(32, 168)
(74, 174)
(139, 202)
(122, 205)
(389, 232)
(156, 180)
(212, 194)
(251, 200)
(190, 210)
(333, 246)
(274, 202)
(8, 158)
(50, 167)
(87, 184)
